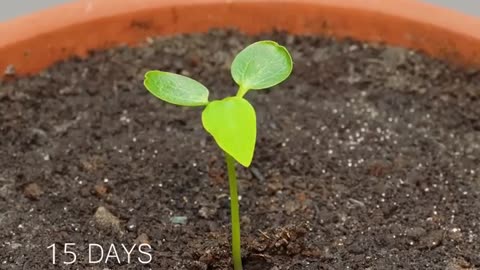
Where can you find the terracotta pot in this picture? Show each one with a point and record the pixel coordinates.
(33, 42)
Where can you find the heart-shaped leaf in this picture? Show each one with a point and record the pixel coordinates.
(233, 125)
(176, 89)
(261, 65)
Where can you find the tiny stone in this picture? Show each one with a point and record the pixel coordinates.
(105, 220)
(32, 191)
(292, 206)
(355, 248)
(207, 212)
(432, 239)
(320, 55)
(274, 187)
(131, 225)
(142, 239)
(100, 190)
(455, 234)
(245, 220)
(257, 174)
(290, 39)
(182, 220)
(197, 265)
(415, 233)
(15, 245)
(206, 257)
(394, 56)
(68, 90)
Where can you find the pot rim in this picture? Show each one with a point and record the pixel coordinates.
(32, 42)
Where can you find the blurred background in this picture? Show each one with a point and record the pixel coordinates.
(12, 9)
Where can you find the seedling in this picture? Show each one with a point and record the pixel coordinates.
(231, 121)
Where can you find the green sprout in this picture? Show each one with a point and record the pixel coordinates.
(231, 121)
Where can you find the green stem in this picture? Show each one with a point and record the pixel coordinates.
(234, 210)
(241, 91)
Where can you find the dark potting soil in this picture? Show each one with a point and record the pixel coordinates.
(367, 158)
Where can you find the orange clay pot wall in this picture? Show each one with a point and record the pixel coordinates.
(33, 42)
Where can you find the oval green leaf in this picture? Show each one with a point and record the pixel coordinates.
(176, 89)
(261, 65)
(233, 125)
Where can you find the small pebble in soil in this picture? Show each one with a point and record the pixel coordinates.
(355, 248)
(131, 225)
(256, 172)
(292, 206)
(246, 221)
(105, 220)
(432, 239)
(142, 239)
(15, 246)
(207, 212)
(180, 220)
(455, 234)
(100, 190)
(415, 233)
(32, 191)
(394, 56)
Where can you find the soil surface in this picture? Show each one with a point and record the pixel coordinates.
(367, 158)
